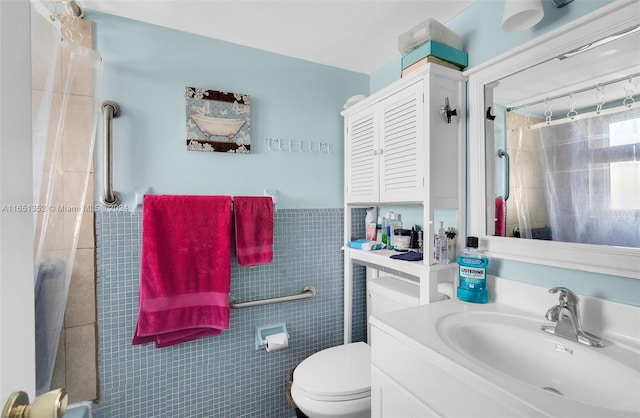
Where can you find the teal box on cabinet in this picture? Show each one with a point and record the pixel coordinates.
(438, 50)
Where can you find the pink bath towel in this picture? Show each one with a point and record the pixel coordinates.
(185, 269)
(500, 217)
(254, 230)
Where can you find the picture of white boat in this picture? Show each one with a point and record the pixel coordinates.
(212, 126)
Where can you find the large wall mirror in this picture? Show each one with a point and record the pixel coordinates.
(555, 146)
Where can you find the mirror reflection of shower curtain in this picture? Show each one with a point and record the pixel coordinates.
(62, 158)
(592, 183)
(526, 207)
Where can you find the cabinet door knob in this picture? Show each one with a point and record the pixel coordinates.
(375, 152)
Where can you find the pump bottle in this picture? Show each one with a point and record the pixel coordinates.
(394, 223)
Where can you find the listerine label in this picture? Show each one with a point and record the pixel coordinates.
(472, 272)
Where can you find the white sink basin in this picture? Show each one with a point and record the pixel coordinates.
(515, 347)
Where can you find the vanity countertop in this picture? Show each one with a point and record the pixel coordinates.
(501, 349)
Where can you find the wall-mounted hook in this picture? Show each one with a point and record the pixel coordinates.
(298, 145)
(446, 110)
(489, 115)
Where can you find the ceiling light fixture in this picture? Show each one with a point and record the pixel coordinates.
(521, 14)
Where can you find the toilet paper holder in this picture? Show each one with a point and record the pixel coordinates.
(266, 330)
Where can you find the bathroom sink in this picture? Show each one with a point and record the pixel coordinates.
(514, 346)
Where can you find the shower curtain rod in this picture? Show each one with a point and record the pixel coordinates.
(559, 96)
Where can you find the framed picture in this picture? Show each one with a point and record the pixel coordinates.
(217, 121)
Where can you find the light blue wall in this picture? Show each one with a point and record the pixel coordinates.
(146, 69)
(479, 25)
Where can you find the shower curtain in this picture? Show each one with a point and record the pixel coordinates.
(59, 181)
(591, 173)
(526, 212)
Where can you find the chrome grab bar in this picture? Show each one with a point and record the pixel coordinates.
(307, 292)
(503, 154)
(109, 110)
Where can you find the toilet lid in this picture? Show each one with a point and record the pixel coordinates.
(336, 371)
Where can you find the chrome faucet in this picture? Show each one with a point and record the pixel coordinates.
(567, 319)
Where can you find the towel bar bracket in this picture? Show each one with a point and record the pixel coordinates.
(307, 292)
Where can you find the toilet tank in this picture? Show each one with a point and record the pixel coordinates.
(391, 294)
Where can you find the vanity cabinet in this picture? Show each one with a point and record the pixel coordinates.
(412, 374)
(390, 399)
(402, 149)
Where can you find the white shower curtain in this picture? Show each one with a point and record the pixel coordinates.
(526, 214)
(59, 188)
(591, 169)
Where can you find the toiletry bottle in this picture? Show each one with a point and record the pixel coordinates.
(413, 244)
(394, 223)
(451, 243)
(472, 274)
(385, 227)
(370, 223)
(379, 229)
(440, 246)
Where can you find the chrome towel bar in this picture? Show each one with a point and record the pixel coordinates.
(109, 110)
(307, 292)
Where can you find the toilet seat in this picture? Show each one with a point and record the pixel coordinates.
(340, 373)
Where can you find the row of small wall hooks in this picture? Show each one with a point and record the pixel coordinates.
(295, 145)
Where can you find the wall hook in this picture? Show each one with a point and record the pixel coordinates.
(489, 115)
(446, 110)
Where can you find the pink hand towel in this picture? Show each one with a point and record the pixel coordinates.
(254, 230)
(500, 217)
(185, 269)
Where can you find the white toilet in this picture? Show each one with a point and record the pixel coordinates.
(336, 382)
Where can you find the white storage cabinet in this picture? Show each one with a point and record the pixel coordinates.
(400, 149)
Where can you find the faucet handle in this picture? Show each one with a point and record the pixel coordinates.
(566, 297)
(553, 314)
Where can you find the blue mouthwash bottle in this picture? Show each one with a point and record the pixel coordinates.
(472, 274)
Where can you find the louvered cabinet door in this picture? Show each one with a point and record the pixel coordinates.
(361, 167)
(402, 145)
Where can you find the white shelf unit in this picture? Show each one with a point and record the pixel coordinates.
(400, 150)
